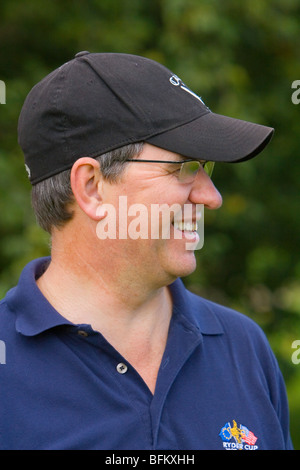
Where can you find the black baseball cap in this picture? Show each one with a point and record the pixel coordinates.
(98, 102)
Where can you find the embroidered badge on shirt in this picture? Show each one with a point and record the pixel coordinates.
(235, 437)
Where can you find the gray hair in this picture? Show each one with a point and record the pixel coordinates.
(52, 198)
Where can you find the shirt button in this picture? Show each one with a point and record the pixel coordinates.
(122, 368)
(82, 333)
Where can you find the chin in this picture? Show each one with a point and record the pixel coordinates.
(184, 266)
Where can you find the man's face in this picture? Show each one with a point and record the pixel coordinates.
(160, 254)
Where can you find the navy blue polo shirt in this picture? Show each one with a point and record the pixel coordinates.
(63, 386)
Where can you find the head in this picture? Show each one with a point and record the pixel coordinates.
(81, 126)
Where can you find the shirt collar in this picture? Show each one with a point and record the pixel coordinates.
(197, 311)
(34, 314)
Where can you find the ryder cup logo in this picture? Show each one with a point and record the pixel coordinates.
(2, 92)
(236, 437)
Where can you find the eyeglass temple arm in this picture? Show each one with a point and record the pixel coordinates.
(160, 161)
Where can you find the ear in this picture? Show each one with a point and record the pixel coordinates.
(86, 182)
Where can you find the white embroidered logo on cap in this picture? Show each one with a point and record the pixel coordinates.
(28, 170)
(176, 81)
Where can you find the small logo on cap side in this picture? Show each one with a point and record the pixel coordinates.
(28, 170)
(176, 81)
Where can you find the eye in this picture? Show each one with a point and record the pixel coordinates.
(189, 170)
(174, 168)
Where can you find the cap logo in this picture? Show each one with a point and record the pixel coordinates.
(28, 170)
(176, 81)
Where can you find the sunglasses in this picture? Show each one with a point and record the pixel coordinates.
(188, 168)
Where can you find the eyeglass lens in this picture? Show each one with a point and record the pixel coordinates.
(189, 170)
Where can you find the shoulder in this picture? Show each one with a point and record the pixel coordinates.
(227, 316)
(241, 331)
(212, 318)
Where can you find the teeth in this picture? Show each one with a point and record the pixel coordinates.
(186, 226)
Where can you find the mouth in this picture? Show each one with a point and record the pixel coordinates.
(186, 231)
(187, 228)
(184, 226)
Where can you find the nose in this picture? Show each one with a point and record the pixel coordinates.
(204, 192)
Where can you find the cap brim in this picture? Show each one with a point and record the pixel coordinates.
(216, 138)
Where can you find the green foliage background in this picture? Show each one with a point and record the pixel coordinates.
(241, 57)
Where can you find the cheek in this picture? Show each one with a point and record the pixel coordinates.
(138, 202)
(168, 193)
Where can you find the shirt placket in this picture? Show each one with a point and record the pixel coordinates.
(183, 339)
(129, 381)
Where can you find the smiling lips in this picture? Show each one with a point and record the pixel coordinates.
(187, 223)
(185, 226)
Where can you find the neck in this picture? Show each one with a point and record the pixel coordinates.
(132, 316)
(85, 295)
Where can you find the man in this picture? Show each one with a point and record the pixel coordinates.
(105, 347)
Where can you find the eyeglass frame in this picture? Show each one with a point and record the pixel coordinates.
(180, 162)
